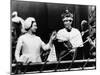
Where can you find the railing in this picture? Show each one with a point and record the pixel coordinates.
(53, 66)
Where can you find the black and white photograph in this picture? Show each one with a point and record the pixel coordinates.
(52, 37)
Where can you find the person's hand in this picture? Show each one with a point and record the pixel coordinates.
(23, 59)
(53, 35)
(89, 39)
(72, 50)
(82, 33)
(59, 40)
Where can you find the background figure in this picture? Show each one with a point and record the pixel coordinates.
(18, 24)
(92, 39)
(68, 38)
(92, 27)
(16, 30)
(30, 44)
(89, 35)
(85, 34)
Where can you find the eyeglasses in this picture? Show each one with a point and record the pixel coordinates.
(67, 20)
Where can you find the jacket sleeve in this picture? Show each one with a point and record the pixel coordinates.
(18, 49)
(77, 40)
(45, 46)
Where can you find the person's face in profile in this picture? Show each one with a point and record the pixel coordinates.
(34, 26)
(67, 22)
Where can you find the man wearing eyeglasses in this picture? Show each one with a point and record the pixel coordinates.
(69, 36)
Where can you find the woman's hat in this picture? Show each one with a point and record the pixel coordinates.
(28, 23)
